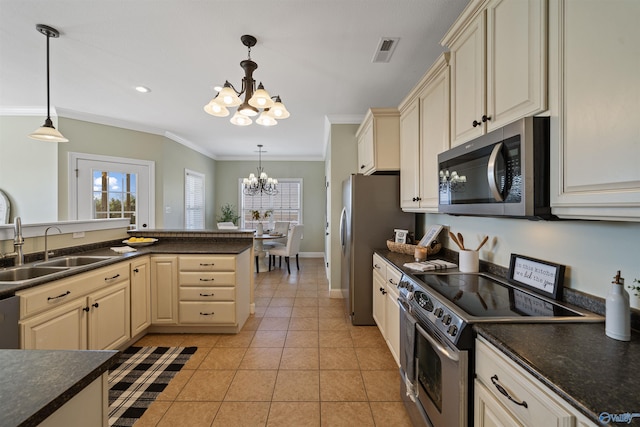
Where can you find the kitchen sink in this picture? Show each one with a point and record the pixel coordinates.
(19, 274)
(73, 261)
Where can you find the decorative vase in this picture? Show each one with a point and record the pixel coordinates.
(259, 229)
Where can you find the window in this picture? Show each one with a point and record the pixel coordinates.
(111, 187)
(193, 200)
(286, 205)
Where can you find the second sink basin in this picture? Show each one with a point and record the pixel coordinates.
(19, 274)
(73, 261)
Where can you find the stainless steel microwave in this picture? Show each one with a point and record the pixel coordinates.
(502, 173)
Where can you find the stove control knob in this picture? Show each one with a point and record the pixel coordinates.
(453, 330)
(446, 319)
(410, 296)
(438, 312)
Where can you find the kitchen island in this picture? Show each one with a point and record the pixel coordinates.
(36, 386)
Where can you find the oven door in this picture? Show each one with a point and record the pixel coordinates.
(441, 379)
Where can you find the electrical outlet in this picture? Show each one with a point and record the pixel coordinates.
(78, 235)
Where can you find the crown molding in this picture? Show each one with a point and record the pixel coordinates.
(189, 144)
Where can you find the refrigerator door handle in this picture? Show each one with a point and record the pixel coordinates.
(343, 228)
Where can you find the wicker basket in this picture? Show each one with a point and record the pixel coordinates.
(404, 248)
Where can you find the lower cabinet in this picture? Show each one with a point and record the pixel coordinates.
(506, 395)
(140, 295)
(94, 320)
(386, 310)
(164, 290)
(88, 408)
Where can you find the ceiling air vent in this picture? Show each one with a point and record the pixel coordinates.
(385, 49)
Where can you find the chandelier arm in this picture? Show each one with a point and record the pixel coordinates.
(234, 88)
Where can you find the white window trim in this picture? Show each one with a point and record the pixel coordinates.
(204, 201)
(73, 188)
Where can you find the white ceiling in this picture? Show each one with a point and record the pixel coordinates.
(316, 54)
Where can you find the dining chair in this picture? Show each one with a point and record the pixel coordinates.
(280, 227)
(291, 248)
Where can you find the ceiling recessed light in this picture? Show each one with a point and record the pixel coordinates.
(143, 89)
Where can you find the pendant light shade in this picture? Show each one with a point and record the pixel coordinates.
(47, 132)
(256, 101)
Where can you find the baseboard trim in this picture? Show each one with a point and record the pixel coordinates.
(336, 293)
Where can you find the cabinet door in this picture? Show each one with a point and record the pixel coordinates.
(366, 159)
(164, 289)
(109, 317)
(517, 60)
(410, 156)
(468, 82)
(488, 412)
(392, 326)
(140, 296)
(379, 301)
(595, 172)
(434, 128)
(61, 328)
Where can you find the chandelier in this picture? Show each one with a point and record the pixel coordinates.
(254, 100)
(260, 183)
(47, 132)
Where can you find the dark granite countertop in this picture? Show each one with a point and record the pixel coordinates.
(169, 245)
(35, 383)
(591, 371)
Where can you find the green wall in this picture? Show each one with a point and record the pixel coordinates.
(313, 192)
(170, 160)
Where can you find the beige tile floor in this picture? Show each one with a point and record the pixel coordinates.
(297, 362)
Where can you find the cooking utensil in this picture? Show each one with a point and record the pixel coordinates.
(455, 239)
(461, 240)
(482, 243)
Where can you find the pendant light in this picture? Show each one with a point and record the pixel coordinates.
(47, 132)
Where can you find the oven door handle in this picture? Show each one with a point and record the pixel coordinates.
(491, 172)
(453, 356)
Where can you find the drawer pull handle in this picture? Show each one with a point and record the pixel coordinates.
(392, 282)
(376, 266)
(207, 314)
(202, 264)
(111, 278)
(59, 296)
(207, 295)
(503, 391)
(206, 280)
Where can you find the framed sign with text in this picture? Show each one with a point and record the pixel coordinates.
(542, 277)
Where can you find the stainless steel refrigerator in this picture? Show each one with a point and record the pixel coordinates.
(371, 211)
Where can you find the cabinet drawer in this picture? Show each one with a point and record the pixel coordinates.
(208, 312)
(50, 295)
(393, 276)
(380, 265)
(207, 294)
(208, 263)
(194, 278)
(541, 409)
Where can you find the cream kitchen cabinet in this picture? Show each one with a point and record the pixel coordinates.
(594, 107)
(379, 141)
(506, 395)
(140, 295)
(386, 310)
(164, 289)
(498, 65)
(424, 133)
(86, 311)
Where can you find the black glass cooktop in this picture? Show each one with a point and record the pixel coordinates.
(482, 296)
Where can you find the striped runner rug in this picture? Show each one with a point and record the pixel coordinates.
(139, 376)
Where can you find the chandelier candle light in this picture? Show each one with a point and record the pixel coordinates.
(261, 183)
(254, 100)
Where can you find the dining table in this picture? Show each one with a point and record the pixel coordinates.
(259, 239)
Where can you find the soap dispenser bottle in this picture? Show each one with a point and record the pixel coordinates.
(618, 313)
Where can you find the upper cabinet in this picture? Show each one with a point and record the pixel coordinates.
(379, 141)
(424, 133)
(594, 103)
(498, 65)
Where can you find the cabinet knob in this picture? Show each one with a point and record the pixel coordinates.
(135, 270)
(86, 309)
(476, 123)
(96, 305)
(486, 118)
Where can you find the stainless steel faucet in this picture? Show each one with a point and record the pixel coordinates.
(46, 245)
(18, 241)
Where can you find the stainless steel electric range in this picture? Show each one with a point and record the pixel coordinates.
(438, 310)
